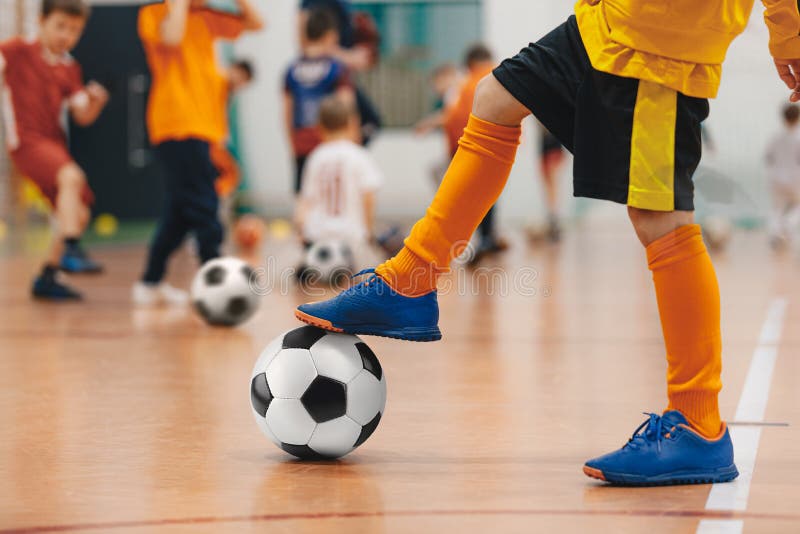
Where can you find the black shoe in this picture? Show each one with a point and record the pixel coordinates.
(488, 247)
(47, 287)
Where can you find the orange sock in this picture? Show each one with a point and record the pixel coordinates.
(688, 302)
(472, 184)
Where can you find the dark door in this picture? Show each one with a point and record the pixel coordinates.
(114, 152)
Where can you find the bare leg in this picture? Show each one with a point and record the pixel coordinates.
(56, 249)
(551, 163)
(493, 103)
(85, 215)
(651, 225)
(71, 214)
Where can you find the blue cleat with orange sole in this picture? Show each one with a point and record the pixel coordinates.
(373, 308)
(663, 451)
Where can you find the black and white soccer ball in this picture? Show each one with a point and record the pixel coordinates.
(328, 260)
(221, 292)
(317, 394)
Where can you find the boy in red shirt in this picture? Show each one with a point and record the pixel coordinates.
(40, 77)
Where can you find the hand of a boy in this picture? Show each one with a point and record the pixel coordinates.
(97, 93)
(789, 72)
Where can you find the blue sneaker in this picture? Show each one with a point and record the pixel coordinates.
(664, 451)
(373, 308)
(75, 260)
(49, 288)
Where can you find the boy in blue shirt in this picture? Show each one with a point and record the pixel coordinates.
(315, 75)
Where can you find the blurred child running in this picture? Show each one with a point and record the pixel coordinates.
(337, 200)
(40, 77)
(185, 118)
(313, 76)
(783, 173)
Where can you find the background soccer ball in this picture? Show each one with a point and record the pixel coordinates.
(221, 292)
(317, 394)
(328, 260)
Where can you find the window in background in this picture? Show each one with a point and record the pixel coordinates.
(416, 36)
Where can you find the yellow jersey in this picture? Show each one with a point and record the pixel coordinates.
(680, 44)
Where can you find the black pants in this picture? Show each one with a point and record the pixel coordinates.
(370, 117)
(190, 205)
(299, 167)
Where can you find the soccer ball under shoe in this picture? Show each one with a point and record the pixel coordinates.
(317, 394)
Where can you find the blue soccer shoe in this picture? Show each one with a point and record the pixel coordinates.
(76, 261)
(373, 308)
(665, 451)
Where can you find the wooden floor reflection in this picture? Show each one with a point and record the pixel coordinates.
(118, 419)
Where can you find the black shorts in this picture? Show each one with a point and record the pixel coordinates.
(635, 142)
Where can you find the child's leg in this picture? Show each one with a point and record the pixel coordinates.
(70, 209)
(551, 161)
(56, 249)
(792, 218)
(172, 228)
(201, 202)
(84, 217)
(472, 184)
(299, 167)
(170, 234)
(486, 230)
(689, 306)
(777, 229)
(72, 199)
(69, 194)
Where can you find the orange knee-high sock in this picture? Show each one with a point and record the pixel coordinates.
(688, 302)
(472, 184)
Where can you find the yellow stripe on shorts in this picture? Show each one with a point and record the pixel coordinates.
(652, 169)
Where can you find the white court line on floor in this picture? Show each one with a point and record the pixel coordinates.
(720, 526)
(751, 408)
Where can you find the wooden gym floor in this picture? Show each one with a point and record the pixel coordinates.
(125, 420)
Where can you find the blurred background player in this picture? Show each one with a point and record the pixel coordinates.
(184, 118)
(445, 81)
(236, 77)
(479, 63)
(239, 74)
(357, 48)
(551, 161)
(40, 76)
(309, 79)
(337, 201)
(783, 173)
(248, 228)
